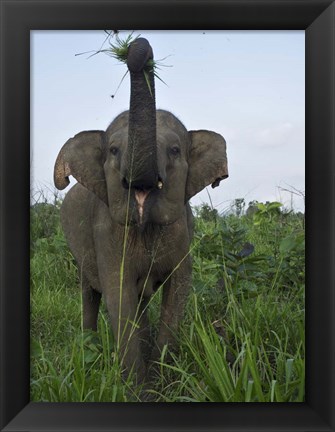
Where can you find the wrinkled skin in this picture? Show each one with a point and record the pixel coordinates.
(128, 221)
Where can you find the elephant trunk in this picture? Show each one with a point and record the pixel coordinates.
(141, 167)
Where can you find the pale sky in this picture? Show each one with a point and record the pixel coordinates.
(249, 86)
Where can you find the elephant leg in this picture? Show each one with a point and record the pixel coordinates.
(91, 302)
(175, 293)
(144, 331)
(122, 307)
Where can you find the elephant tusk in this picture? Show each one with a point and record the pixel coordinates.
(159, 185)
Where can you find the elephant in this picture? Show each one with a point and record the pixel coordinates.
(128, 221)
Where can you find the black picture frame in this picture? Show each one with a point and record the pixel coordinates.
(317, 18)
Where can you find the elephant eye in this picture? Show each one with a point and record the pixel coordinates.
(114, 150)
(175, 150)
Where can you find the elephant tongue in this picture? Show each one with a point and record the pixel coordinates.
(140, 196)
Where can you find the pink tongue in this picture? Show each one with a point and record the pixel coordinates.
(141, 196)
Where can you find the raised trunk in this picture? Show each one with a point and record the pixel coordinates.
(141, 170)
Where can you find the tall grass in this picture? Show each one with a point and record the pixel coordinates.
(242, 339)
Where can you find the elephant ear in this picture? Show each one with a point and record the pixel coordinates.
(82, 157)
(207, 161)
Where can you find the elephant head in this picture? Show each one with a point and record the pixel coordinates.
(146, 165)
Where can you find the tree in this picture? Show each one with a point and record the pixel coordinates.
(207, 213)
(238, 206)
(252, 208)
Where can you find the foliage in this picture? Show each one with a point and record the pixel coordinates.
(206, 212)
(256, 372)
(238, 206)
(118, 49)
(44, 221)
(242, 339)
(266, 212)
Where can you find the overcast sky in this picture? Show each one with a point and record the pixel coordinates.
(249, 86)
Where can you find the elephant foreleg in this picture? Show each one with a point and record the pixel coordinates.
(144, 330)
(91, 302)
(175, 293)
(122, 310)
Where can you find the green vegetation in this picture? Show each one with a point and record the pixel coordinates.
(117, 48)
(243, 336)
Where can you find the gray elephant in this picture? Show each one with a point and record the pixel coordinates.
(127, 220)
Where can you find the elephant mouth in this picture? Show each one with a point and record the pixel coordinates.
(140, 197)
(144, 198)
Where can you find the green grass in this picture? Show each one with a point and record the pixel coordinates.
(242, 339)
(117, 49)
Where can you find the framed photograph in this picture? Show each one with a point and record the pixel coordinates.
(64, 364)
